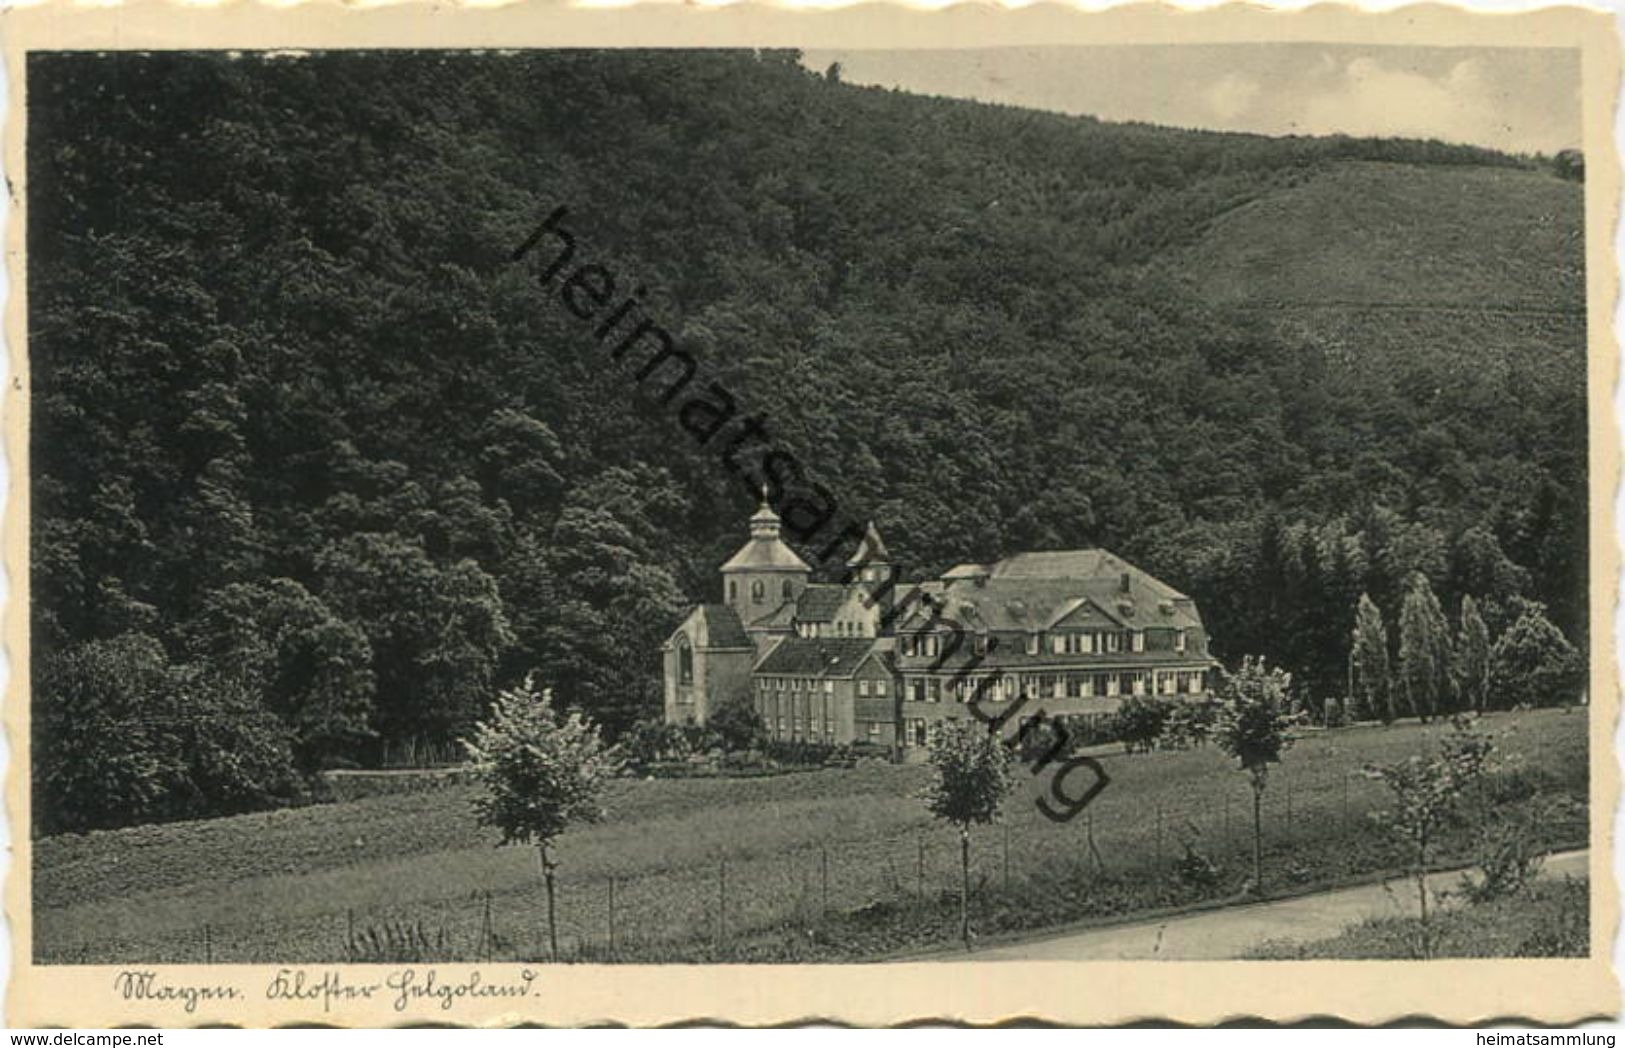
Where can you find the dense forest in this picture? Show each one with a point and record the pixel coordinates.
(316, 467)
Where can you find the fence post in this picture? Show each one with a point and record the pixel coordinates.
(1159, 831)
(349, 934)
(722, 905)
(612, 916)
(823, 874)
(1095, 860)
(208, 944)
(1006, 856)
(920, 872)
(1345, 800)
(487, 931)
(1289, 805)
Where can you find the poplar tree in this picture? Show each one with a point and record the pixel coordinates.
(1372, 673)
(1473, 657)
(1424, 650)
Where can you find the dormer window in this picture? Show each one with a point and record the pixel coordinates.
(1032, 643)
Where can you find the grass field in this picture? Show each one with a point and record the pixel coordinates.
(1547, 920)
(820, 865)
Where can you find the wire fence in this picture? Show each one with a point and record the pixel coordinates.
(755, 891)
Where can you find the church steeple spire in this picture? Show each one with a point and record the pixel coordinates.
(765, 573)
(764, 523)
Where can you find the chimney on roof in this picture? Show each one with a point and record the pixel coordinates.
(1123, 585)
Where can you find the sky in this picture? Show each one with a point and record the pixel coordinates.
(1515, 99)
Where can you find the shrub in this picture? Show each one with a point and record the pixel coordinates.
(1139, 722)
(652, 741)
(1197, 869)
(737, 725)
(1509, 845)
(1043, 737)
(1188, 725)
(796, 751)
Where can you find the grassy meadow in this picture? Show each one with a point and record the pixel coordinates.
(835, 864)
(1551, 919)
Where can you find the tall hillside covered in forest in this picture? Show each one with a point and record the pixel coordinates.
(315, 466)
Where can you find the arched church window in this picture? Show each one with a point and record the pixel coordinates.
(685, 663)
(789, 590)
(758, 590)
(733, 592)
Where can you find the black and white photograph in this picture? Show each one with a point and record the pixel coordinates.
(542, 507)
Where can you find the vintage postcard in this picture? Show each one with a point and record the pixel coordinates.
(565, 516)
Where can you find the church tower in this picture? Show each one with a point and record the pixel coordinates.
(765, 573)
(872, 570)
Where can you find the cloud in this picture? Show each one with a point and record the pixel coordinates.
(1230, 96)
(1458, 104)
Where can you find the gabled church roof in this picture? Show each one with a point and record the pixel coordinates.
(722, 627)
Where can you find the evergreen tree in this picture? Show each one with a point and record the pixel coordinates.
(1473, 666)
(1424, 651)
(1534, 664)
(1373, 681)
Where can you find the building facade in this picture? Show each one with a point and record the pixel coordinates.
(874, 661)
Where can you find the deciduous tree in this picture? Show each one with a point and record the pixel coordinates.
(1253, 726)
(541, 773)
(970, 779)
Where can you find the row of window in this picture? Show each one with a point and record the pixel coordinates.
(776, 705)
(865, 687)
(1075, 642)
(1109, 684)
(758, 591)
(794, 729)
(767, 684)
(854, 628)
(797, 731)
